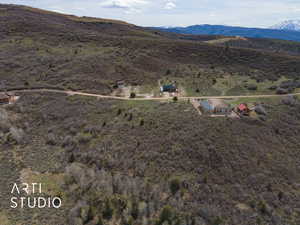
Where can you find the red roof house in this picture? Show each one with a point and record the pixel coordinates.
(243, 108)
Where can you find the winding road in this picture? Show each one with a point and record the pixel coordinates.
(145, 98)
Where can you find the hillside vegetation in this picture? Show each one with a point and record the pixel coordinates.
(150, 162)
(272, 45)
(49, 49)
(143, 162)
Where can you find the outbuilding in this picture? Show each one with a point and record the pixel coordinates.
(119, 84)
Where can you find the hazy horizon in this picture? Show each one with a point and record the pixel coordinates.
(248, 13)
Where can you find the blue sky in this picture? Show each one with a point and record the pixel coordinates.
(250, 13)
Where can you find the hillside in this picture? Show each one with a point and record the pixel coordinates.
(268, 45)
(45, 49)
(195, 169)
(128, 162)
(235, 31)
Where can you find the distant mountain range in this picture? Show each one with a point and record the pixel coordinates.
(288, 30)
(291, 25)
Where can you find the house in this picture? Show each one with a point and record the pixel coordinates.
(243, 109)
(4, 99)
(206, 107)
(215, 106)
(8, 98)
(171, 88)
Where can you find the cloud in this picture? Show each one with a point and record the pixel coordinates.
(170, 5)
(253, 13)
(124, 4)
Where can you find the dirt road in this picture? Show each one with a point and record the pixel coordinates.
(148, 98)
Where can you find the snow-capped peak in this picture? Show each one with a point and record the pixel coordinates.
(293, 25)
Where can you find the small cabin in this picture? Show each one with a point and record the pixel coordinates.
(171, 88)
